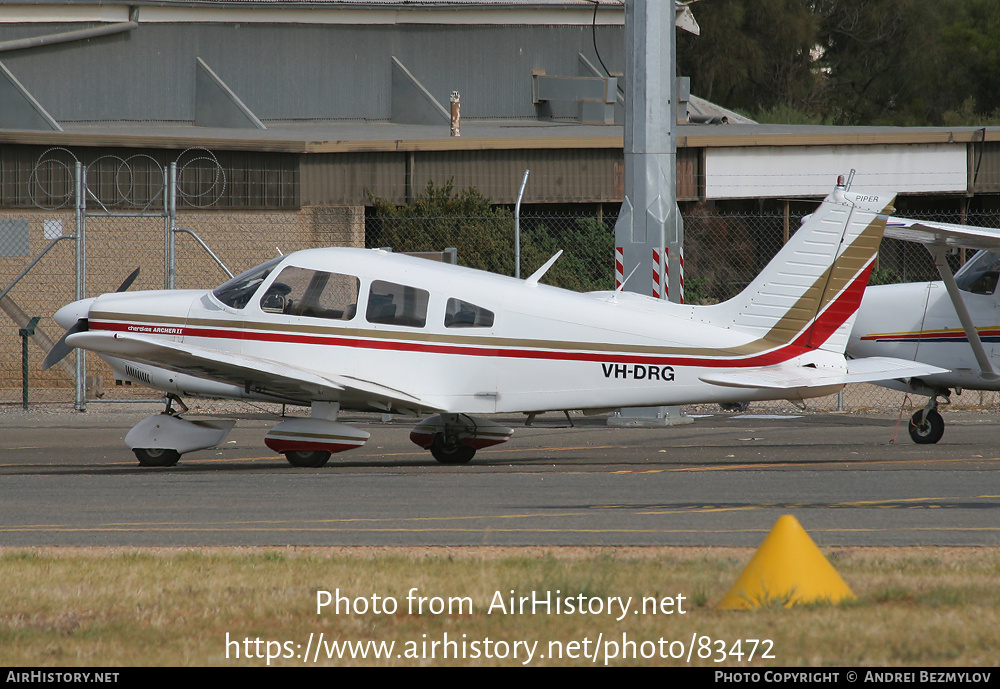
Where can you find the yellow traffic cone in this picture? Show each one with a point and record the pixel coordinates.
(788, 568)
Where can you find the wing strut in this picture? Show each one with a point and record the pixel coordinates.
(941, 263)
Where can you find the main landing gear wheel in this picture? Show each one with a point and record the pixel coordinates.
(307, 458)
(451, 452)
(156, 457)
(929, 430)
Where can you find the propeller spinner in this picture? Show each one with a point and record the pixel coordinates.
(73, 317)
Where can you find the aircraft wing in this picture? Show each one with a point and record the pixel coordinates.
(259, 375)
(938, 237)
(867, 370)
(943, 234)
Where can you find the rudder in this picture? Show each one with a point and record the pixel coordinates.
(811, 290)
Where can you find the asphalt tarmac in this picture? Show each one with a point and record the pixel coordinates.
(851, 480)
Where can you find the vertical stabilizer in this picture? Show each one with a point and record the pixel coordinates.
(811, 290)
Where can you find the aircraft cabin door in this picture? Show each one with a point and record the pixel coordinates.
(978, 281)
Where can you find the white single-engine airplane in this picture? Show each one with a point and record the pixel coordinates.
(370, 330)
(953, 323)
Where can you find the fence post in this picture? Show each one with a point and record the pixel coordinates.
(26, 332)
(170, 225)
(81, 278)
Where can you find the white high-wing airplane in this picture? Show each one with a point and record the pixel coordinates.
(953, 323)
(370, 330)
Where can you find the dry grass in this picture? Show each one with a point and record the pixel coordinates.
(167, 607)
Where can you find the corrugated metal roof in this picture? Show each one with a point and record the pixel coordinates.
(485, 12)
(401, 4)
(821, 135)
(344, 137)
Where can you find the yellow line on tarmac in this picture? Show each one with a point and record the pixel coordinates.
(885, 503)
(422, 453)
(858, 462)
(867, 503)
(340, 530)
(272, 523)
(344, 522)
(493, 530)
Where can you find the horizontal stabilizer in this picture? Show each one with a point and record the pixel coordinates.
(784, 377)
(873, 368)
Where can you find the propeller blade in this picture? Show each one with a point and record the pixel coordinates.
(128, 281)
(60, 349)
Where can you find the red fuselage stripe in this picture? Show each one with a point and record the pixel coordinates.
(811, 338)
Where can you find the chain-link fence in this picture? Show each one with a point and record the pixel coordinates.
(723, 253)
(115, 246)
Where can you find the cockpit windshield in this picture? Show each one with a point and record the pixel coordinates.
(236, 293)
(979, 274)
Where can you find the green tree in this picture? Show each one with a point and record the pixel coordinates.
(753, 55)
(587, 262)
(969, 65)
(440, 217)
(852, 62)
(871, 52)
(909, 62)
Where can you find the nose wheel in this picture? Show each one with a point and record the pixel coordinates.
(926, 426)
(156, 457)
(160, 440)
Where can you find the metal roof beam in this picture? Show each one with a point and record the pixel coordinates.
(216, 105)
(412, 103)
(19, 109)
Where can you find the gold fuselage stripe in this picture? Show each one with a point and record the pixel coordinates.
(824, 290)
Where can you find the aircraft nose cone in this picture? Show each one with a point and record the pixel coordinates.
(68, 315)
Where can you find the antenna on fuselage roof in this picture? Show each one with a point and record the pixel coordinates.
(621, 287)
(280, 253)
(537, 275)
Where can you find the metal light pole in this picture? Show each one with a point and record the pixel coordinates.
(517, 227)
(649, 234)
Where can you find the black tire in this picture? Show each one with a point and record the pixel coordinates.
(307, 458)
(451, 453)
(156, 457)
(928, 432)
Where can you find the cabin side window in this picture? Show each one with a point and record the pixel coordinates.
(979, 275)
(462, 314)
(393, 304)
(312, 293)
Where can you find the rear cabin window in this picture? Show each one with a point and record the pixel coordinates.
(393, 304)
(312, 293)
(462, 314)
